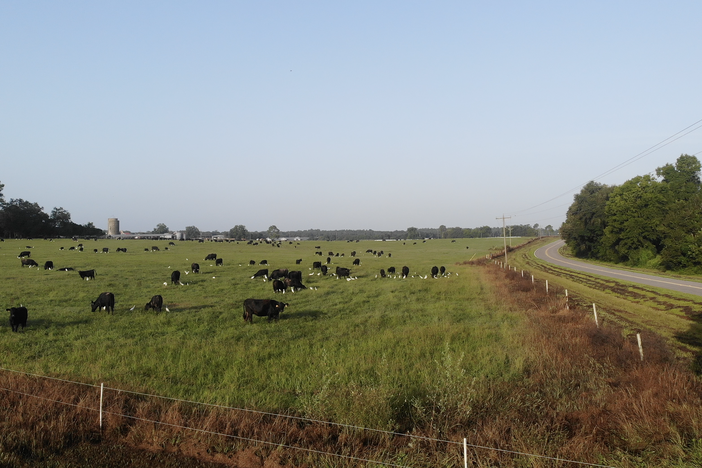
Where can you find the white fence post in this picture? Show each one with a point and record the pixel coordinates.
(638, 338)
(594, 309)
(465, 452)
(102, 387)
(546, 286)
(567, 307)
(532, 279)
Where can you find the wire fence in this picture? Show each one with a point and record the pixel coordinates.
(119, 407)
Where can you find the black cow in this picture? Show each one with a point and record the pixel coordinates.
(155, 303)
(263, 308)
(298, 261)
(252, 262)
(405, 271)
(382, 273)
(442, 270)
(391, 271)
(328, 260)
(295, 275)
(259, 273)
(48, 265)
(434, 271)
(106, 301)
(324, 269)
(175, 277)
(357, 261)
(195, 267)
(211, 257)
(29, 262)
(122, 249)
(18, 316)
(353, 253)
(25, 253)
(105, 250)
(279, 273)
(71, 248)
(294, 284)
(278, 286)
(263, 262)
(219, 262)
(66, 269)
(87, 274)
(316, 265)
(154, 248)
(96, 250)
(341, 272)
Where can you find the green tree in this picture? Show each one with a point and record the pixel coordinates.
(192, 232)
(412, 233)
(586, 220)
(20, 218)
(239, 232)
(161, 229)
(273, 232)
(455, 232)
(443, 232)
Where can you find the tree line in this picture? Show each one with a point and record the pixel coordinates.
(21, 218)
(652, 221)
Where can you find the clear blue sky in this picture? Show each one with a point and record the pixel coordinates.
(338, 115)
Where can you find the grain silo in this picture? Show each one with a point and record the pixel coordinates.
(112, 227)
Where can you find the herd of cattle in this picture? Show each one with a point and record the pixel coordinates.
(282, 280)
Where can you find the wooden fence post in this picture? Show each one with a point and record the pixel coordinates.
(594, 309)
(566, 292)
(638, 338)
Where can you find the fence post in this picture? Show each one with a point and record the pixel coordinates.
(638, 338)
(594, 309)
(546, 286)
(532, 279)
(102, 387)
(465, 452)
(567, 307)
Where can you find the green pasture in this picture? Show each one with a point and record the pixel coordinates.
(370, 351)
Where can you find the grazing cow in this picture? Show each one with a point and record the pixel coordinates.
(434, 271)
(442, 270)
(155, 303)
(154, 248)
(353, 253)
(48, 265)
(252, 262)
(24, 253)
(87, 274)
(71, 248)
(259, 273)
(175, 277)
(122, 249)
(96, 250)
(389, 255)
(295, 275)
(324, 269)
(279, 273)
(405, 271)
(18, 316)
(298, 261)
(219, 262)
(195, 267)
(106, 301)
(171, 243)
(391, 271)
(105, 250)
(382, 273)
(211, 256)
(66, 269)
(341, 272)
(29, 262)
(263, 308)
(278, 286)
(328, 260)
(263, 262)
(316, 265)
(294, 284)
(357, 261)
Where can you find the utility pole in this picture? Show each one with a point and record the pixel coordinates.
(504, 234)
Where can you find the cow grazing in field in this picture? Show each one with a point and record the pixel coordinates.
(341, 272)
(324, 269)
(171, 243)
(154, 248)
(18, 316)
(87, 274)
(195, 267)
(155, 303)
(294, 284)
(263, 308)
(279, 273)
(71, 248)
(391, 271)
(28, 262)
(263, 262)
(105, 250)
(316, 265)
(382, 273)
(24, 253)
(252, 262)
(259, 273)
(122, 249)
(219, 262)
(48, 265)
(442, 270)
(66, 269)
(211, 256)
(295, 275)
(298, 261)
(353, 253)
(357, 261)
(434, 271)
(278, 286)
(405, 272)
(105, 301)
(175, 277)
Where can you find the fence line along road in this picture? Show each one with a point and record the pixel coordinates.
(549, 253)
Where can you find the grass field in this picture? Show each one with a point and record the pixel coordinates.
(373, 339)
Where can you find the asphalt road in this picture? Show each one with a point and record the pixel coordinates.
(549, 253)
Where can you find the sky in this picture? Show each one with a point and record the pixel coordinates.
(377, 115)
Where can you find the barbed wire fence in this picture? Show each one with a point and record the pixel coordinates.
(112, 407)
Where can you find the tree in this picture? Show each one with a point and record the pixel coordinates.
(192, 232)
(239, 232)
(443, 232)
(161, 229)
(20, 218)
(455, 233)
(585, 222)
(2, 196)
(273, 232)
(412, 233)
